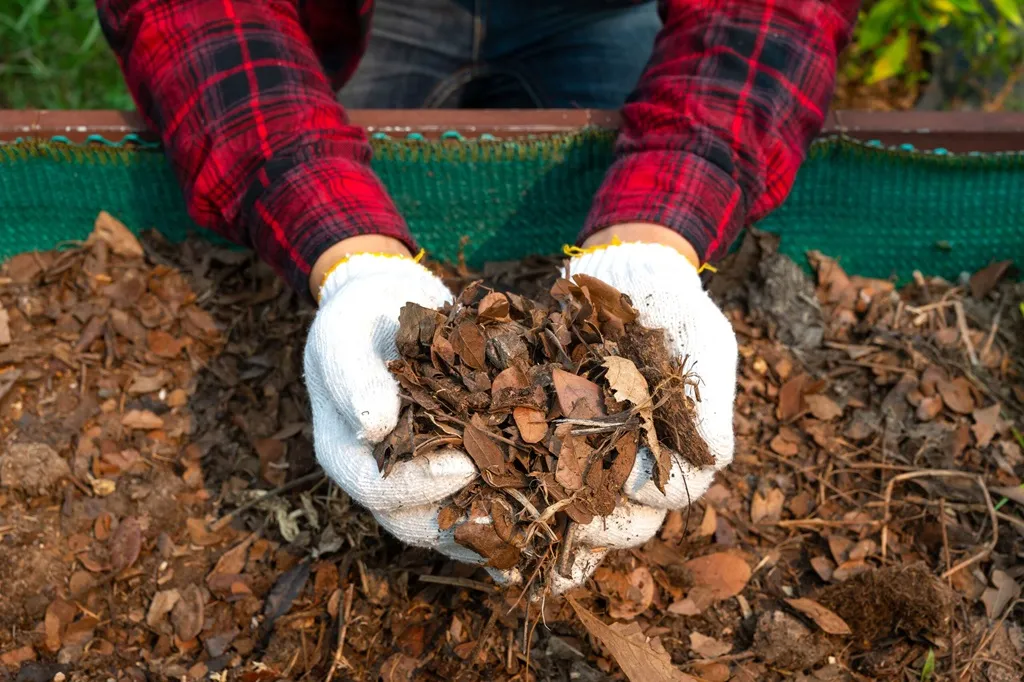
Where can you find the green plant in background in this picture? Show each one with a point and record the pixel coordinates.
(893, 36)
(53, 56)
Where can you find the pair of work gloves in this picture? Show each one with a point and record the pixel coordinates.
(355, 400)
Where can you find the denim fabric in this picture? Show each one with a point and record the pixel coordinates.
(502, 54)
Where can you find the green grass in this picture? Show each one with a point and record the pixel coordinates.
(53, 56)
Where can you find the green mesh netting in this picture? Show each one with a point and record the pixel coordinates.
(882, 211)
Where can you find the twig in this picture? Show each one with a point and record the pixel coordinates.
(280, 490)
(483, 636)
(965, 334)
(565, 558)
(988, 637)
(457, 582)
(339, 657)
(993, 328)
(814, 523)
(944, 473)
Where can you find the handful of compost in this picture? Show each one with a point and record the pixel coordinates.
(553, 400)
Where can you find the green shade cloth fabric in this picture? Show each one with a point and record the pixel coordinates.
(882, 211)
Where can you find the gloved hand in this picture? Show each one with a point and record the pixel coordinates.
(355, 399)
(667, 293)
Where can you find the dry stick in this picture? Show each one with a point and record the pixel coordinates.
(339, 658)
(961, 323)
(280, 490)
(993, 328)
(943, 473)
(457, 582)
(565, 557)
(988, 637)
(483, 636)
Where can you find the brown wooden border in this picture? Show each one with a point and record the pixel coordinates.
(955, 131)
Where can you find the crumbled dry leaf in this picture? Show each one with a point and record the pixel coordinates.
(636, 597)
(483, 449)
(162, 604)
(125, 544)
(120, 239)
(957, 396)
(823, 407)
(142, 419)
(767, 508)
(987, 424)
(827, 620)
(187, 613)
(708, 647)
(631, 649)
(531, 424)
(577, 396)
(715, 577)
(5, 329)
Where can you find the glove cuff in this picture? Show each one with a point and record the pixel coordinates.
(392, 266)
(635, 261)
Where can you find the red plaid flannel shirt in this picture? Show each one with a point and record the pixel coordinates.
(242, 94)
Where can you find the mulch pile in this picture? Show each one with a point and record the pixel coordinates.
(162, 515)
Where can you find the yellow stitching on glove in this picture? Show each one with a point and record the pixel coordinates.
(344, 259)
(573, 251)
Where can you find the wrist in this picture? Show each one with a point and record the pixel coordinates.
(647, 233)
(364, 243)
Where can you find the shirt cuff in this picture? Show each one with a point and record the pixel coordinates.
(312, 207)
(678, 190)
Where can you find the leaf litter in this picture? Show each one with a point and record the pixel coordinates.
(231, 510)
(571, 368)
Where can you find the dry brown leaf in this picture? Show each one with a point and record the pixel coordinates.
(5, 329)
(628, 384)
(987, 424)
(634, 653)
(199, 535)
(708, 647)
(823, 407)
(792, 402)
(162, 604)
(187, 613)
(768, 507)
(1005, 589)
(470, 344)
(125, 544)
(531, 424)
(636, 596)
(957, 396)
(233, 561)
(715, 577)
(493, 308)
(15, 657)
(827, 620)
(577, 396)
(483, 449)
(118, 237)
(823, 567)
(784, 446)
(142, 419)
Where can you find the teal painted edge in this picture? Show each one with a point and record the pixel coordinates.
(133, 142)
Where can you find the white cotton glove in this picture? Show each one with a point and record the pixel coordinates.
(667, 293)
(355, 399)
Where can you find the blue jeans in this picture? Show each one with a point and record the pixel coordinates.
(502, 54)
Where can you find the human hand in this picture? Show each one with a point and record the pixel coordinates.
(355, 399)
(666, 290)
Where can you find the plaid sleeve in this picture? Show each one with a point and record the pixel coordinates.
(713, 135)
(265, 154)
